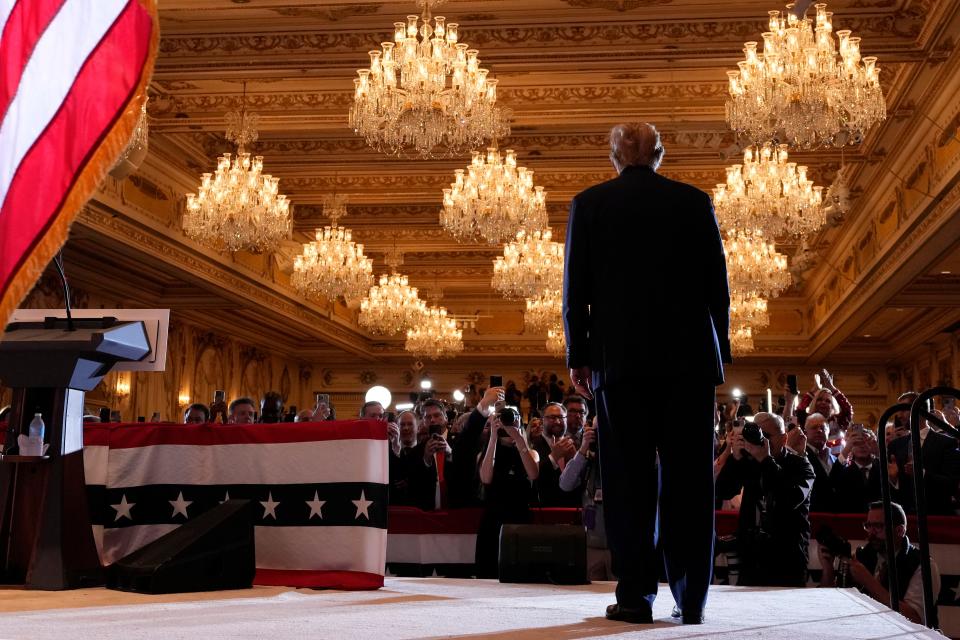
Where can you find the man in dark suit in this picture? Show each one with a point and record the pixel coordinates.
(655, 240)
(941, 461)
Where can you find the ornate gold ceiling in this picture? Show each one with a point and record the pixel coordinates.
(569, 69)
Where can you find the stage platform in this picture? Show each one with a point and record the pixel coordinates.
(441, 608)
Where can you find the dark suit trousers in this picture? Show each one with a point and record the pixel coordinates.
(633, 487)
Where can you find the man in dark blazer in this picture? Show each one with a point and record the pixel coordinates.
(655, 241)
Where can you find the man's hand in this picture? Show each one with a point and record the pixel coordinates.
(859, 573)
(797, 440)
(563, 449)
(393, 436)
(430, 450)
(589, 436)
(321, 412)
(735, 443)
(490, 397)
(758, 452)
(582, 380)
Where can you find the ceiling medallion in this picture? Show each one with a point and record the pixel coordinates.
(805, 88)
(530, 266)
(435, 335)
(493, 199)
(403, 103)
(332, 265)
(769, 194)
(239, 207)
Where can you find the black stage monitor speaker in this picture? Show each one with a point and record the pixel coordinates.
(211, 552)
(555, 553)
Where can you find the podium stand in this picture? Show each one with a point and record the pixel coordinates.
(46, 541)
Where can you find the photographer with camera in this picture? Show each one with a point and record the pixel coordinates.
(774, 524)
(869, 568)
(508, 469)
(582, 474)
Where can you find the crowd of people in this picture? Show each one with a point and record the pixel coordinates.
(808, 455)
(775, 467)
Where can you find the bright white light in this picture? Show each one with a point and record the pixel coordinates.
(458, 395)
(379, 394)
(426, 384)
(737, 393)
(404, 406)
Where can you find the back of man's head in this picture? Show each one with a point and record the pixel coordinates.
(635, 144)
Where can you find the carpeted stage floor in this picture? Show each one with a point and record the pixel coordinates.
(436, 607)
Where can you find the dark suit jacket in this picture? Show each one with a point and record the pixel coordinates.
(854, 493)
(941, 464)
(823, 498)
(655, 241)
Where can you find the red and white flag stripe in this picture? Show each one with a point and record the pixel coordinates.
(70, 71)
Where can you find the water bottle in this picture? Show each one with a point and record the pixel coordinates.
(35, 436)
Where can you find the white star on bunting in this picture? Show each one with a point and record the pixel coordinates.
(180, 506)
(123, 509)
(362, 506)
(315, 506)
(269, 507)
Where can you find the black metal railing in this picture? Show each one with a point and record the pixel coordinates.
(920, 415)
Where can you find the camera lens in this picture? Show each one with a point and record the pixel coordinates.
(509, 416)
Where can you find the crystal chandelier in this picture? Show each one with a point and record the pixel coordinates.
(544, 311)
(748, 310)
(741, 340)
(239, 207)
(393, 305)
(769, 194)
(556, 341)
(493, 199)
(530, 265)
(404, 104)
(332, 265)
(803, 86)
(435, 335)
(754, 266)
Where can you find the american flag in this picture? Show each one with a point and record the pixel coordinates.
(320, 491)
(73, 75)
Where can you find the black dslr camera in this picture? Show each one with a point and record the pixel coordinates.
(509, 417)
(837, 546)
(752, 433)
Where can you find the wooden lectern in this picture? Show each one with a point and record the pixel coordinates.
(46, 541)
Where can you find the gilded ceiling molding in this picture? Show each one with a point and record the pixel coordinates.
(889, 29)
(257, 291)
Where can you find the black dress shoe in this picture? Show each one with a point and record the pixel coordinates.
(694, 617)
(639, 615)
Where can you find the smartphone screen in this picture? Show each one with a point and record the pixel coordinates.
(219, 395)
(496, 381)
(323, 398)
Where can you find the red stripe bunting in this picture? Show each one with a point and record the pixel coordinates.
(138, 434)
(26, 23)
(348, 580)
(48, 171)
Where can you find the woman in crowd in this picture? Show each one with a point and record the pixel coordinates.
(507, 470)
